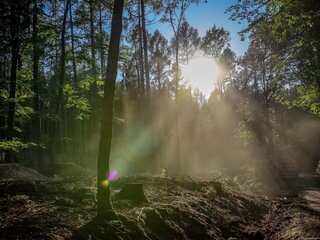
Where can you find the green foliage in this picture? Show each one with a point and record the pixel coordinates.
(309, 100)
(243, 132)
(86, 82)
(24, 111)
(77, 101)
(14, 145)
(215, 41)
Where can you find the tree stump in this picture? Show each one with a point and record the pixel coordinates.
(133, 192)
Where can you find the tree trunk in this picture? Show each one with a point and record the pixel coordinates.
(36, 123)
(141, 55)
(74, 66)
(15, 45)
(158, 74)
(63, 58)
(145, 48)
(105, 209)
(102, 57)
(75, 126)
(60, 127)
(92, 41)
(176, 106)
(94, 88)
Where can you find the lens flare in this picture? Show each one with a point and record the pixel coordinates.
(112, 175)
(105, 183)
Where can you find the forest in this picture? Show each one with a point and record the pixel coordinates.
(119, 119)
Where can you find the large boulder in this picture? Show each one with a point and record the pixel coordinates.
(15, 171)
(67, 170)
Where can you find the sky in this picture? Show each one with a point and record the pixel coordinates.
(204, 16)
(202, 73)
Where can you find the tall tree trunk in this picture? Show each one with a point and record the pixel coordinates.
(92, 41)
(145, 47)
(105, 209)
(63, 58)
(62, 76)
(158, 74)
(36, 122)
(102, 57)
(137, 68)
(75, 126)
(74, 65)
(94, 88)
(141, 55)
(15, 45)
(178, 158)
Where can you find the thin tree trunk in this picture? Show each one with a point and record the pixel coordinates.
(61, 127)
(63, 58)
(158, 74)
(145, 47)
(104, 208)
(75, 125)
(176, 106)
(141, 57)
(94, 87)
(102, 57)
(15, 45)
(36, 124)
(92, 41)
(74, 65)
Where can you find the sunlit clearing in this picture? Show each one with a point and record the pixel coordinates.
(202, 73)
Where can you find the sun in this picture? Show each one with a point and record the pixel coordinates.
(202, 73)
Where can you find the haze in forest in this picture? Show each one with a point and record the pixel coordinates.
(196, 102)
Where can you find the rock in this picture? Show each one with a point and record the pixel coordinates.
(16, 172)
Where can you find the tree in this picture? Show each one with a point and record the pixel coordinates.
(174, 14)
(189, 42)
(145, 46)
(105, 209)
(227, 65)
(36, 127)
(293, 28)
(62, 74)
(215, 41)
(159, 58)
(19, 15)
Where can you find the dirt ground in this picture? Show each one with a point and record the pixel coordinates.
(176, 209)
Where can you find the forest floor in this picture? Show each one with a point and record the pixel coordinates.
(176, 209)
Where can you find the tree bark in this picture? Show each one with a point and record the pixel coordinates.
(74, 65)
(92, 41)
(15, 47)
(102, 57)
(75, 126)
(141, 55)
(63, 58)
(145, 47)
(176, 106)
(105, 209)
(36, 123)
(60, 127)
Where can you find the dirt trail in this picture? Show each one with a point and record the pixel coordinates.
(180, 209)
(308, 188)
(296, 216)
